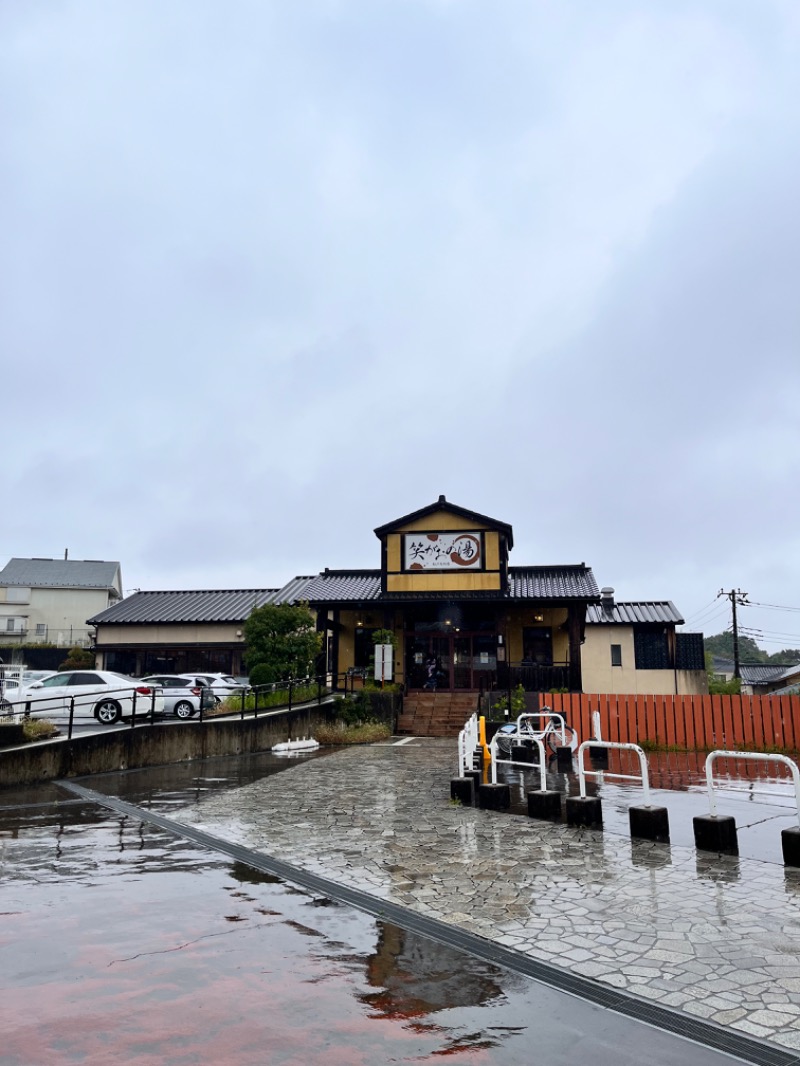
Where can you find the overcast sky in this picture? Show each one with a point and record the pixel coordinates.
(275, 273)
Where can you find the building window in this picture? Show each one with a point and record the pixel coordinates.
(651, 649)
(616, 655)
(9, 625)
(41, 629)
(17, 594)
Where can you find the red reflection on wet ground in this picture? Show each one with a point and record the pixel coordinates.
(123, 945)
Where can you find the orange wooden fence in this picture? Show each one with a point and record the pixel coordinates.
(695, 723)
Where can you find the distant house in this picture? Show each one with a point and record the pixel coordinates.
(48, 600)
(633, 646)
(757, 678)
(174, 632)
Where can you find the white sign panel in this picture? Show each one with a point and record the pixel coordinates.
(384, 661)
(443, 551)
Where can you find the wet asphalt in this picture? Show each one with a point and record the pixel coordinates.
(137, 944)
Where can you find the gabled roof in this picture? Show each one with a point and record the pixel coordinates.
(204, 605)
(443, 504)
(571, 582)
(61, 573)
(634, 612)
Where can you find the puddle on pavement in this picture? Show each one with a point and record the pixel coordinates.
(122, 943)
(760, 798)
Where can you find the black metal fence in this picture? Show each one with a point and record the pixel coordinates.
(142, 705)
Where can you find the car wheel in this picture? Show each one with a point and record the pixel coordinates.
(184, 709)
(108, 712)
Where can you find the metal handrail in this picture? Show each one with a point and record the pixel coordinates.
(644, 777)
(467, 743)
(756, 756)
(494, 748)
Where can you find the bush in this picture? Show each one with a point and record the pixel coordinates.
(517, 705)
(366, 733)
(78, 659)
(261, 674)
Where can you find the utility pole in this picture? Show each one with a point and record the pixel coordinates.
(738, 599)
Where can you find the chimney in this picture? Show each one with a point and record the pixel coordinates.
(66, 554)
(607, 599)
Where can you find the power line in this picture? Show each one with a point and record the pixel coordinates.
(772, 606)
(703, 610)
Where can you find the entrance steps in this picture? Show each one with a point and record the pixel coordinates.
(436, 714)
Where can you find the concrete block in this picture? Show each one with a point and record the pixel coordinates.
(790, 842)
(494, 797)
(584, 812)
(545, 805)
(649, 823)
(715, 833)
(463, 790)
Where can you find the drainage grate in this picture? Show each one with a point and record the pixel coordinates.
(685, 1025)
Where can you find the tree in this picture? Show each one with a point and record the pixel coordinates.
(722, 644)
(78, 659)
(281, 639)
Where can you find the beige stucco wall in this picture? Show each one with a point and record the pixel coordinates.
(63, 611)
(600, 676)
(168, 635)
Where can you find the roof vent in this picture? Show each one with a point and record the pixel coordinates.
(442, 499)
(607, 598)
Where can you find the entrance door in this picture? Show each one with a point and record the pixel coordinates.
(445, 661)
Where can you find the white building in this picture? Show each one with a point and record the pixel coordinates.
(47, 601)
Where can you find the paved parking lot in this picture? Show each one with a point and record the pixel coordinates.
(715, 937)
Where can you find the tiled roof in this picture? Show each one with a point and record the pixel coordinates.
(525, 583)
(60, 573)
(752, 673)
(338, 586)
(634, 612)
(205, 605)
(573, 582)
(294, 591)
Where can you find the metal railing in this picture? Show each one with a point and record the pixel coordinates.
(755, 756)
(143, 704)
(583, 773)
(468, 740)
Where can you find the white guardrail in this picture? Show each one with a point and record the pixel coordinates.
(514, 762)
(644, 776)
(755, 756)
(467, 743)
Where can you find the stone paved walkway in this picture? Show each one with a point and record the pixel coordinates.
(714, 936)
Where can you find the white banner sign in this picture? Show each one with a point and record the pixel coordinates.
(443, 551)
(384, 661)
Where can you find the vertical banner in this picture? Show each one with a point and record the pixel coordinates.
(384, 662)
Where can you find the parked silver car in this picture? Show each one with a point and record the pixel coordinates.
(182, 696)
(222, 685)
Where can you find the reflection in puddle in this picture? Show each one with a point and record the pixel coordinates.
(137, 947)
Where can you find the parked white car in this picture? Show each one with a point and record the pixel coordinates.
(181, 697)
(106, 695)
(222, 685)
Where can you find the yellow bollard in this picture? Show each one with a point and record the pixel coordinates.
(487, 757)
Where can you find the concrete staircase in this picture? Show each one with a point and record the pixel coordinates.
(436, 714)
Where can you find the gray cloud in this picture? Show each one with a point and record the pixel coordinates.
(273, 275)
